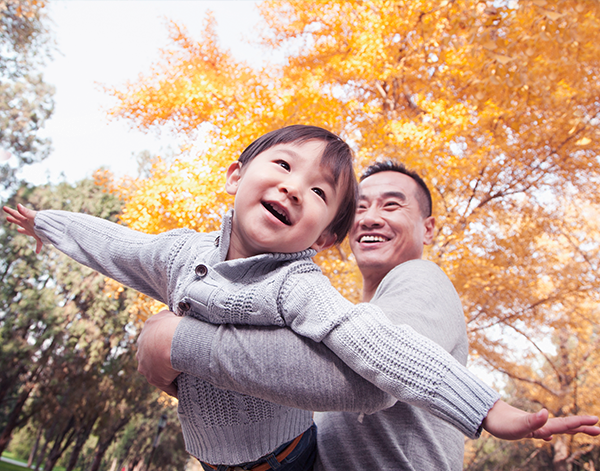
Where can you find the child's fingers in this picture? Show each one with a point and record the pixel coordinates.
(11, 213)
(28, 213)
(24, 218)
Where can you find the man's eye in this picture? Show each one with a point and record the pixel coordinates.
(284, 164)
(391, 205)
(319, 192)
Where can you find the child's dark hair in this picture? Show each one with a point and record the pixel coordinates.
(423, 196)
(337, 158)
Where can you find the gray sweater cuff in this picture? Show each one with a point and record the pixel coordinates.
(464, 402)
(191, 347)
(50, 225)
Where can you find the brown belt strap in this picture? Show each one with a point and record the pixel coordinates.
(280, 457)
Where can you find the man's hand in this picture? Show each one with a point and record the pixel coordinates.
(24, 218)
(509, 423)
(154, 351)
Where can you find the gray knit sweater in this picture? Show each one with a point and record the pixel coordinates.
(402, 437)
(188, 271)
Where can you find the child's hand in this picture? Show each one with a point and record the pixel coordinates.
(24, 217)
(509, 423)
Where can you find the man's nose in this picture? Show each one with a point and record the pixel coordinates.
(370, 218)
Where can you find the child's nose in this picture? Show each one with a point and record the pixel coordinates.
(291, 191)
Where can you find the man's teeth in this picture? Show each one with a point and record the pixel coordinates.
(372, 238)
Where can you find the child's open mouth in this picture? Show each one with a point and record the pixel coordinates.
(277, 213)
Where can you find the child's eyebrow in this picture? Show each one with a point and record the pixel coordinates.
(328, 176)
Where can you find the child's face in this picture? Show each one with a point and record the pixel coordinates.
(284, 201)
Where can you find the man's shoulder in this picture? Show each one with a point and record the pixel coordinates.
(419, 293)
(418, 270)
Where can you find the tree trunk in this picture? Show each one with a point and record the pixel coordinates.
(561, 454)
(13, 420)
(60, 444)
(34, 448)
(82, 437)
(104, 444)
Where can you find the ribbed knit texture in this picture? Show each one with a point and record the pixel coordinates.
(268, 289)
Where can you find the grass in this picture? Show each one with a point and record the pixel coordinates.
(4, 466)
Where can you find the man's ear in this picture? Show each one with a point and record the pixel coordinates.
(234, 173)
(429, 224)
(325, 240)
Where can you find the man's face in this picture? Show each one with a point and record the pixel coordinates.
(388, 227)
(284, 201)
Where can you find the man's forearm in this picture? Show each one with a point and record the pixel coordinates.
(306, 375)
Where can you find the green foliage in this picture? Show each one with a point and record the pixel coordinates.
(67, 346)
(25, 100)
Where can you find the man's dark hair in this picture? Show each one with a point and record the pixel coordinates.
(337, 158)
(423, 195)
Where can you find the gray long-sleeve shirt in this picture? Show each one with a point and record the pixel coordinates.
(189, 272)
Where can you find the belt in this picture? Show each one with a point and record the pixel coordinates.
(266, 466)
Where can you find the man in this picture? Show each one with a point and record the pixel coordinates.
(392, 224)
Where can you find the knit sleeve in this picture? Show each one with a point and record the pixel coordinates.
(134, 259)
(395, 358)
(273, 364)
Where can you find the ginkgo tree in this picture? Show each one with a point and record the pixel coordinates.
(494, 103)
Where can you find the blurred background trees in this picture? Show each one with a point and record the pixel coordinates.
(25, 99)
(68, 374)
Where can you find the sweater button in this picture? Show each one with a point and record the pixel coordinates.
(217, 241)
(184, 307)
(201, 270)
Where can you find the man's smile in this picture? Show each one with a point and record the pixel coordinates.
(371, 238)
(278, 211)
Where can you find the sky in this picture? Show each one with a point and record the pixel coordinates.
(108, 42)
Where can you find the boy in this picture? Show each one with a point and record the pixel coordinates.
(295, 194)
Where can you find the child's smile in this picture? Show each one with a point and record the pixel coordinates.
(284, 201)
(277, 211)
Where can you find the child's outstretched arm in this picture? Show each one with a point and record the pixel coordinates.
(134, 259)
(24, 218)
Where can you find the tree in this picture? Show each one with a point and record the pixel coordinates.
(25, 100)
(495, 103)
(67, 356)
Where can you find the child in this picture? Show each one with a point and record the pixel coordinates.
(295, 194)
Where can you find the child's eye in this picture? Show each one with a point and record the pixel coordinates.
(284, 164)
(320, 193)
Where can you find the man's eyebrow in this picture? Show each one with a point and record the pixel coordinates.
(387, 194)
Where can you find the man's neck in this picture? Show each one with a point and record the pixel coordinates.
(370, 284)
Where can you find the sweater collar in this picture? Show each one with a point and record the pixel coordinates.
(225, 239)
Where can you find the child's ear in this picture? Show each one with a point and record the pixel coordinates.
(325, 240)
(234, 172)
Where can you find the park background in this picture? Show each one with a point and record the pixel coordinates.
(495, 103)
